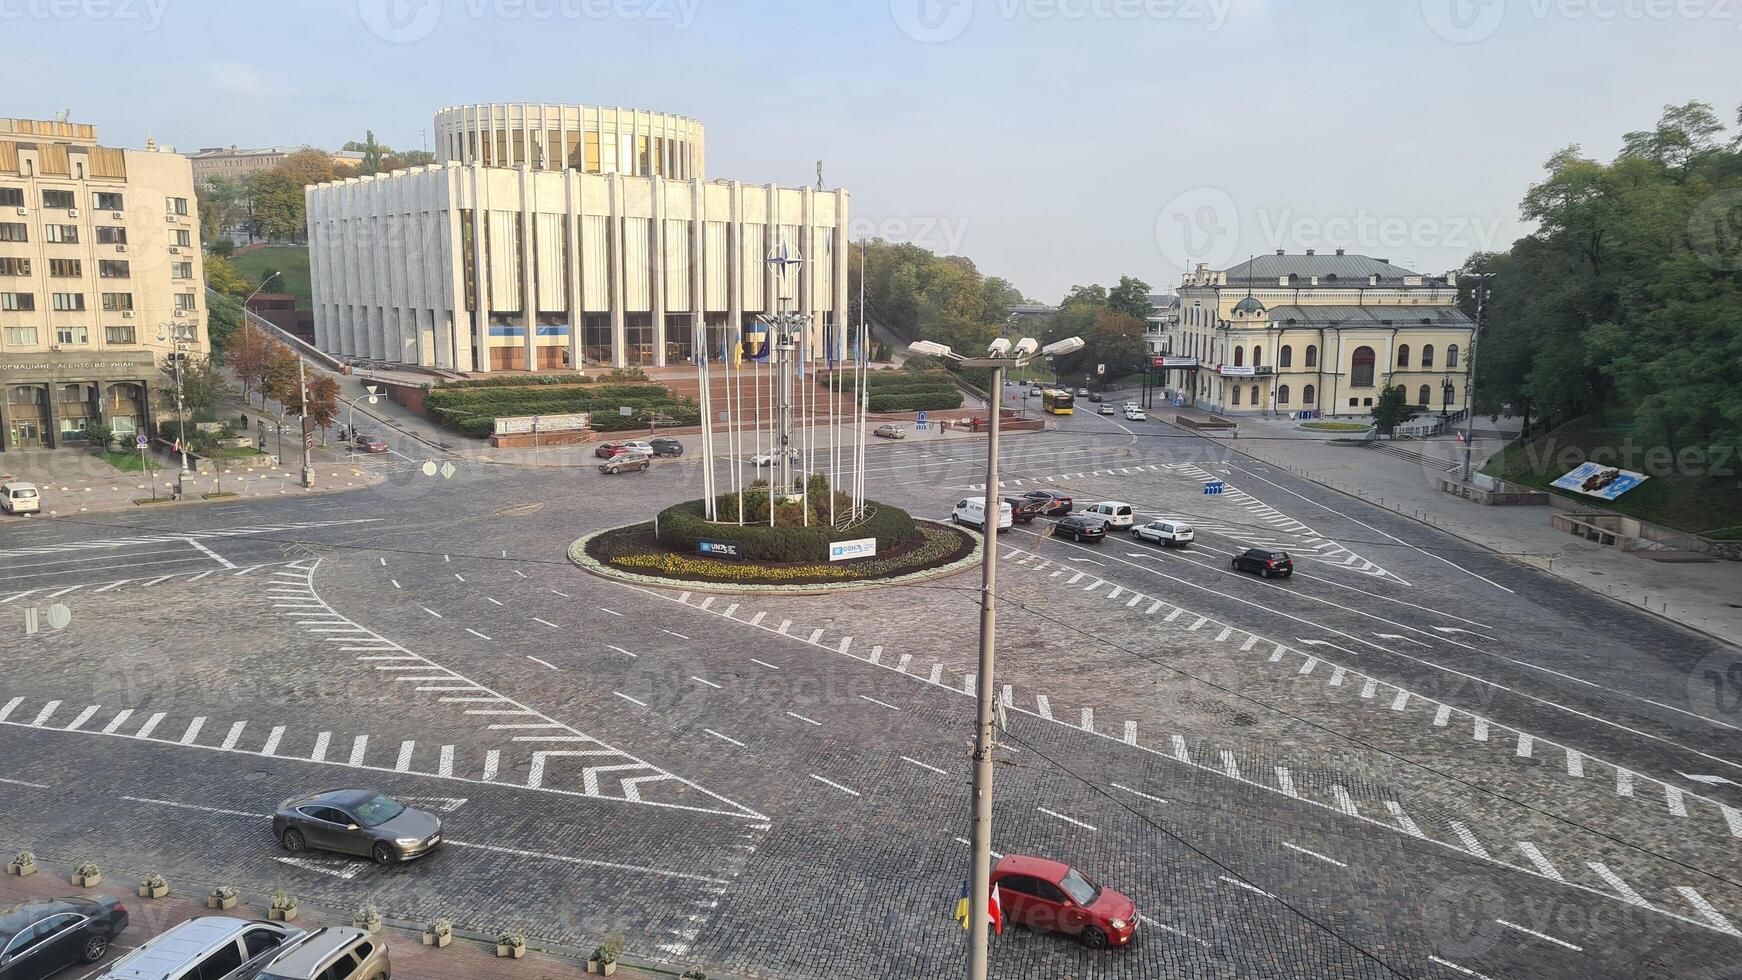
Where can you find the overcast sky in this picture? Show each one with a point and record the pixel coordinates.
(1052, 141)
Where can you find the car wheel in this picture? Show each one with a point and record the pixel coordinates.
(1234, 564)
(1264, 573)
(1094, 938)
(293, 841)
(95, 947)
(381, 854)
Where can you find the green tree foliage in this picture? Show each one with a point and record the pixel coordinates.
(279, 213)
(1630, 290)
(1392, 410)
(1110, 325)
(224, 318)
(918, 294)
(225, 202)
(1130, 298)
(223, 277)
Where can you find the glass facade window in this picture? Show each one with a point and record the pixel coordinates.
(10, 266)
(116, 302)
(112, 269)
(1312, 356)
(1307, 395)
(1282, 394)
(21, 336)
(1403, 356)
(106, 200)
(14, 231)
(679, 338)
(1361, 373)
(592, 159)
(183, 301)
(58, 199)
(72, 335)
(12, 197)
(596, 341)
(638, 339)
(119, 335)
(1427, 356)
(1287, 357)
(1452, 356)
(65, 268)
(61, 234)
(112, 235)
(69, 302)
(17, 302)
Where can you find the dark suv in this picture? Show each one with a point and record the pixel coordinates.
(1264, 561)
(666, 446)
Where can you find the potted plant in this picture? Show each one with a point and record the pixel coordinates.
(87, 875)
(154, 886)
(694, 973)
(283, 906)
(604, 958)
(222, 897)
(23, 864)
(368, 917)
(511, 944)
(438, 933)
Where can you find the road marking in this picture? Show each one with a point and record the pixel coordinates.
(476, 633)
(1525, 745)
(805, 720)
(1069, 820)
(678, 635)
(724, 738)
(1131, 733)
(1705, 908)
(272, 740)
(109, 729)
(546, 622)
(1539, 935)
(621, 650)
(1623, 782)
(20, 782)
(460, 577)
(1345, 802)
(542, 663)
(629, 699)
(1733, 817)
(445, 763)
(1230, 765)
(1179, 749)
(873, 700)
(1614, 881)
(1314, 854)
(612, 612)
(321, 742)
(923, 765)
(492, 764)
(705, 681)
(1672, 798)
(1237, 883)
(432, 612)
(1544, 866)
(1442, 714)
(1167, 928)
(830, 782)
(565, 595)
(1041, 703)
(1404, 822)
(1448, 964)
(42, 716)
(492, 601)
(1138, 793)
(84, 716)
(1471, 844)
(1575, 764)
(149, 726)
(1285, 781)
(764, 663)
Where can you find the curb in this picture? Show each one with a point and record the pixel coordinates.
(578, 554)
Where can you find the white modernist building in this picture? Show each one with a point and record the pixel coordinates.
(476, 268)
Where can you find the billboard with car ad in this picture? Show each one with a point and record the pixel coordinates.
(1597, 480)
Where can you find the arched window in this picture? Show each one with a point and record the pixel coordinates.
(1427, 355)
(1312, 355)
(1361, 373)
(1236, 394)
(1286, 358)
(1426, 397)
(1255, 399)
(1452, 356)
(1257, 355)
(1282, 392)
(1307, 395)
(1403, 355)
(1239, 356)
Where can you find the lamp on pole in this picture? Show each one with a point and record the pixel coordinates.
(1482, 279)
(179, 335)
(257, 290)
(1001, 355)
(373, 393)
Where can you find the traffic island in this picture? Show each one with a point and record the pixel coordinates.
(682, 549)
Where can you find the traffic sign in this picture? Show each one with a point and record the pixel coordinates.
(919, 421)
(1213, 488)
(140, 441)
(1179, 403)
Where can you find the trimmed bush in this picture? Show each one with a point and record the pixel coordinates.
(682, 525)
(474, 410)
(922, 400)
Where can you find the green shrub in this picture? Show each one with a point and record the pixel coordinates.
(682, 525)
(922, 400)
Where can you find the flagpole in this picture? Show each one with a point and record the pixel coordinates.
(734, 405)
(862, 369)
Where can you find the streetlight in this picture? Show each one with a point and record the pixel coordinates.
(182, 336)
(256, 291)
(1446, 390)
(1001, 355)
(373, 393)
(1470, 367)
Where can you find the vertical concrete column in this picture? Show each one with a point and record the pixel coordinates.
(619, 325)
(733, 266)
(572, 261)
(656, 262)
(529, 246)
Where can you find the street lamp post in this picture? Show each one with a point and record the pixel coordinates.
(179, 336)
(1001, 356)
(1470, 369)
(373, 393)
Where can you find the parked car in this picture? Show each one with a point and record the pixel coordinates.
(1117, 514)
(333, 953)
(606, 450)
(1053, 504)
(972, 511)
(1024, 510)
(641, 446)
(356, 821)
(1171, 534)
(666, 446)
(211, 947)
(1264, 561)
(1055, 897)
(1080, 528)
(370, 443)
(767, 459)
(1106, 409)
(20, 498)
(40, 939)
(626, 462)
(889, 430)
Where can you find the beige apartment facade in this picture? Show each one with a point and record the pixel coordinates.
(474, 268)
(591, 139)
(1283, 334)
(100, 270)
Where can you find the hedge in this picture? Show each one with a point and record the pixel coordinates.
(682, 525)
(474, 410)
(922, 400)
(880, 381)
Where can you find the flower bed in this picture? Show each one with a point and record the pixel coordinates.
(637, 553)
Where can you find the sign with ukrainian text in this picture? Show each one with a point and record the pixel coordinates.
(525, 424)
(849, 550)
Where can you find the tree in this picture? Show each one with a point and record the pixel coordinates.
(279, 212)
(99, 434)
(323, 402)
(1131, 298)
(223, 324)
(280, 379)
(225, 202)
(248, 356)
(372, 154)
(1392, 410)
(222, 276)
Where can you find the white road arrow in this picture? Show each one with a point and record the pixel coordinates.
(338, 869)
(1708, 780)
(1088, 561)
(446, 804)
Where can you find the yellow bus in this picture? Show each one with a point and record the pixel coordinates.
(1057, 401)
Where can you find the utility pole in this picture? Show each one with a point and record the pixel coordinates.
(1470, 370)
(308, 469)
(980, 885)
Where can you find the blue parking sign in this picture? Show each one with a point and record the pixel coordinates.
(1213, 488)
(919, 421)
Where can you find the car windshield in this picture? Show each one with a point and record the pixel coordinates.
(377, 811)
(1080, 889)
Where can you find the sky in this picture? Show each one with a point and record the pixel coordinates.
(1053, 142)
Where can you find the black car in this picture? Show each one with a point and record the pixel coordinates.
(1080, 528)
(1052, 504)
(39, 939)
(665, 446)
(356, 821)
(1023, 510)
(1264, 561)
(1096, 397)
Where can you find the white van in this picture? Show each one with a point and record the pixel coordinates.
(20, 498)
(211, 947)
(1116, 515)
(972, 511)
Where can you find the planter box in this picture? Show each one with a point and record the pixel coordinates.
(90, 881)
(511, 952)
(281, 915)
(603, 969)
(431, 939)
(146, 891)
(372, 927)
(21, 870)
(214, 902)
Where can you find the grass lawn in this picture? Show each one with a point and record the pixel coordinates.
(1686, 498)
(289, 261)
(1337, 426)
(129, 462)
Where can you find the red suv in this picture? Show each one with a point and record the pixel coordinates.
(1047, 895)
(606, 450)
